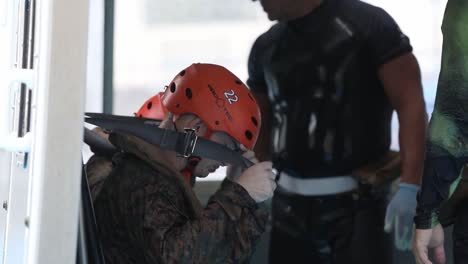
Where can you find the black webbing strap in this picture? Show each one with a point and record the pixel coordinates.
(184, 143)
(98, 144)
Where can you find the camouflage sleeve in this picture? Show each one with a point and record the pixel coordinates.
(97, 170)
(226, 232)
(247, 220)
(447, 144)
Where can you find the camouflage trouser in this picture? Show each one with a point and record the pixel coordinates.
(342, 228)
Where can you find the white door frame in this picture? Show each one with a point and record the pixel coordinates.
(56, 152)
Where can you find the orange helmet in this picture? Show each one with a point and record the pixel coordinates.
(152, 108)
(218, 98)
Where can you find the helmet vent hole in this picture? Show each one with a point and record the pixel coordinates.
(217, 122)
(177, 105)
(182, 73)
(188, 93)
(248, 135)
(251, 98)
(173, 87)
(254, 121)
(149, 105)
(238, 82)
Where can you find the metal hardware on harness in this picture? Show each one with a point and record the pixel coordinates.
(280, 109)
(185, 143)
(190, 141)
(280, 123)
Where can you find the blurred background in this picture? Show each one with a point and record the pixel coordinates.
(155, 39)
(135, 48)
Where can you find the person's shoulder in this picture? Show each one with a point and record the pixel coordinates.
(356, 7)
(267, 38)
(141, 174)
(160, 188)
(363, 15)
(258, 54)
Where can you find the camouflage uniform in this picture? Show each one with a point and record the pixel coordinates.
(146, 213)
(445, 179)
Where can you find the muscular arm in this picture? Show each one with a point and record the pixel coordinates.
(402, 82)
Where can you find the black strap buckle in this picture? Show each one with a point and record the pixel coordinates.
(190, 141)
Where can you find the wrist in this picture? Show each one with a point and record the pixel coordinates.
(410, 180)
(409, 186)
(426, 220)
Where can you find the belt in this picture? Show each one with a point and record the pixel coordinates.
(317, 186)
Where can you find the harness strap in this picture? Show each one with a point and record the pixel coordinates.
(185, 143)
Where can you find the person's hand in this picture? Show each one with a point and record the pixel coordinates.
(233, 172)
(259, 181)
(400, 214)
(425, 239)
(248, 154)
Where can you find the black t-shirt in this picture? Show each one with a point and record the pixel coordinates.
(326, 66)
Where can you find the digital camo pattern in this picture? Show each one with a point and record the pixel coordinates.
(449, 121)
(147, 214)
(447, 145)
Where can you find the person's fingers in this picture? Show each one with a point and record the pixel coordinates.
(243, 148)
(404, 231)
(389, 218)
(422, 258)
(439, 255)
(399, 234)
(416, 253)
(423, 255)
(254, 160)
(417, 258)
(422, 261)
(405, 243)
(272, 180)
(267, 165)
(249, 154)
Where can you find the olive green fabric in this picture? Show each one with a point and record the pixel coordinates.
(447, 145)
